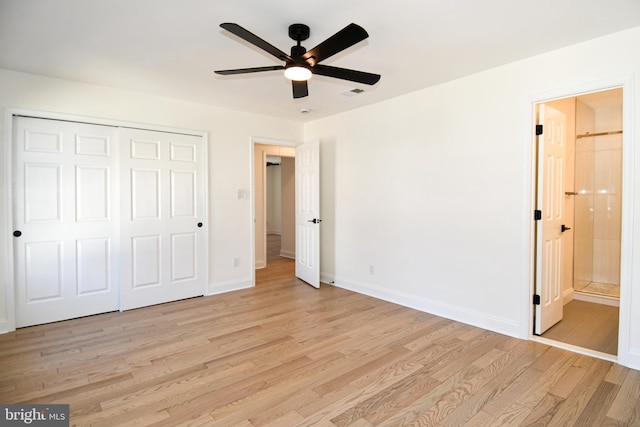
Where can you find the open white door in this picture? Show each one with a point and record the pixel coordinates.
(550, 228)
(308, 212)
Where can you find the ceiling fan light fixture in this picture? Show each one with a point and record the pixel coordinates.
(297, 73)
(302, 64)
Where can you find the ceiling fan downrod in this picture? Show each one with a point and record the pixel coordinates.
(299, 33)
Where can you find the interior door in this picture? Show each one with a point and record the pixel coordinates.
(163, 255)
(307, 205)
(550, 201)
(65, 233)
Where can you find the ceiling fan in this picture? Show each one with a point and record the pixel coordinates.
(301, 64)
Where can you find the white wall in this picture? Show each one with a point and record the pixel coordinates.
(288, 237)
(607, 197)
(229, 135)
(432, 190)
(583, 229)
(260, 205)
(274, 199)
(599, 166)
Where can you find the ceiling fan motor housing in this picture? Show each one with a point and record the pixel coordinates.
(299, 32)
(297, 51)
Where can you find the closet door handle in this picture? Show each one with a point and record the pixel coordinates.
(564, 228)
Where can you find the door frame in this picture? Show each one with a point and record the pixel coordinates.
(628, 189)
(253, 141)
(7, 273)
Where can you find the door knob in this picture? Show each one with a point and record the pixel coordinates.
(315, 220)
(17, 233)
(564, 228)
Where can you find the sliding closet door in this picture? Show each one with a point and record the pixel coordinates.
(65, 220)
(162, 231)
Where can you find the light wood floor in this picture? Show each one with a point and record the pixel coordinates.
(285, 354)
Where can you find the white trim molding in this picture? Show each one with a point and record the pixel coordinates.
(448, 311)
(229, 286)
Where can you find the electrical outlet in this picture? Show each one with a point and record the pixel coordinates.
(235, 262)
(372, 269)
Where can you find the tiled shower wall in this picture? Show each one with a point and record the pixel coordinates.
(598, 182)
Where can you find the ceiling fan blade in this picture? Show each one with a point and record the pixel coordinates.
(346, 74)
(249, 70)
(347, 37)
(255, 40)
(300, 88)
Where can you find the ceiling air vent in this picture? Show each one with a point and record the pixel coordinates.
(353, 92)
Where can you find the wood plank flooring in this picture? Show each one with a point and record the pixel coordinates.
(285, 354)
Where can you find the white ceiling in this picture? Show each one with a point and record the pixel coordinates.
(171, 47)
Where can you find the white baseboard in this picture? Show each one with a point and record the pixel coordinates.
(232, 285)
(567, 296)
(630, 360)
(5, 327)
(459, 314)
(327, 278)
(614, 302)
(575, 349)
(288, 254)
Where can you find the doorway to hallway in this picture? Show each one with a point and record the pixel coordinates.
(274, 199)
(305, 177)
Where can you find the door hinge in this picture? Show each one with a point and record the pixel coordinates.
(537, 215)
(536, 299)
(538, 129)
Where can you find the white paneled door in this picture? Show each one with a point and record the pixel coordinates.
(65, 228)
(550, 228)
(163, 236)
(307, 172)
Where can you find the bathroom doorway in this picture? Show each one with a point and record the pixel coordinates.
(590, 202)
